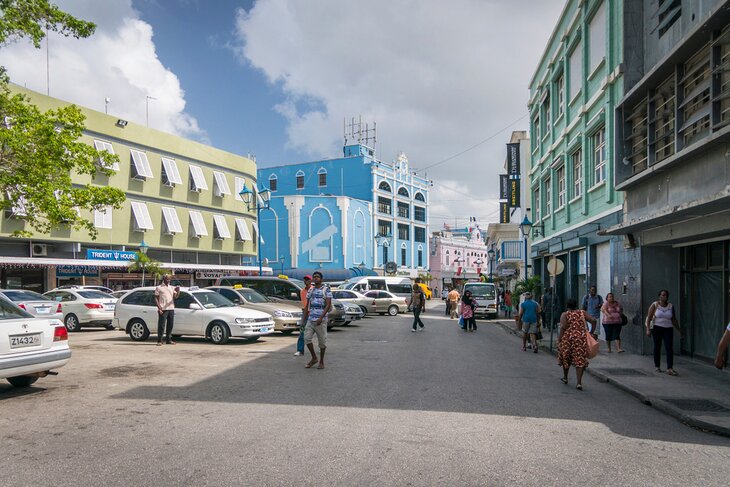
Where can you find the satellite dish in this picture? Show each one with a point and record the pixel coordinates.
(391, 267)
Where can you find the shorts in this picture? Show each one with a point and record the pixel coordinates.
(321, 331)
(529, 327)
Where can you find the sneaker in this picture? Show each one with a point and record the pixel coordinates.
(413, 330)
(297, 353)
(422, 328)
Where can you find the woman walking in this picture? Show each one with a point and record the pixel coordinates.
(572, 343)
(660, 323)
(611, 319)
(467, 312)
(508, 303)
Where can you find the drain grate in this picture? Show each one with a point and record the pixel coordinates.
(704, 405)
(622, 371)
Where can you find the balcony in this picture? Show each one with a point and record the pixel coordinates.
(511, 251)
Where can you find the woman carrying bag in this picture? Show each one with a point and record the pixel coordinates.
(660, 323)
(467, 312)
(573, 342)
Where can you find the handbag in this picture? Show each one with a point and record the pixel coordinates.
(624, 319)
(592, 345)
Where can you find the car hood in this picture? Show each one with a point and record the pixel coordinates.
(240, 312)
(270, 308)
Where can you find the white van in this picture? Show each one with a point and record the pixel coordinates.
(485, 294)
(400, 286)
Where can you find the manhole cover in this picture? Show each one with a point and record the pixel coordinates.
(704, 405)
(622, 371)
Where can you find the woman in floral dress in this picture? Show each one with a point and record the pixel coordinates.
(572, 344)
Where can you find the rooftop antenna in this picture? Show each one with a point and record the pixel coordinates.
(357, 131)
(107, 100)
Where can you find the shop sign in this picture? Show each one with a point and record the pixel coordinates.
(513, 159)
(514, 193)
(77, 271)
(209, 275)
(100, 254)
(503, 212)
(503, 186)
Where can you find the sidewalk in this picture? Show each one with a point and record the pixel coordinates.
(699, 396)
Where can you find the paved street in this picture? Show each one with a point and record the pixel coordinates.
(439, 407)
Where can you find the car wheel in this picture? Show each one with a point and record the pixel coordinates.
(22, 380)
(392, 310)
(138, 331)
(72, 323)
(219, 333)
(364, 311)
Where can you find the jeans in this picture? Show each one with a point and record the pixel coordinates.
(417, 318)
(300, 340)
(659, 333)
(470, 323)
(448, 308)
(167, 316)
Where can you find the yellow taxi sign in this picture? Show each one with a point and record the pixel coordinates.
(237, 286)
(283, 276)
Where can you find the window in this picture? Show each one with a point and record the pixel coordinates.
(664, 117)
(560, 173)
(419, 213)
(597, 30)
(403, 256)
(242, 232)
(385, 205)
(103, 217)
(140, 165)
(172, 222)
(548, 197)
(667, 14)
(560, 87)
(170, 174)
(221, 187)
(696, 106)
(141, 216)
(575, 64)
(403, 232)
(577, 163)
(537, 204)
(197, 180)
(403, 192)
(546, 114)
(220, 227)
(636, 125)
(419, 234)
(420, 257)
(447, 258)
(404, 210)
(239, 184)
(198, 224)
(322, 177)
(383, 186)
(273, 180)
(599, 156)
(300, 179)
(419, 197)
(101, 145)
(536, 131)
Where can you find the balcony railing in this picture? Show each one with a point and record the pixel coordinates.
(512, 251)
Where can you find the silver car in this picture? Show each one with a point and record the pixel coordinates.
(34, 303)
(367, 305)
(387, 302)
(286, 315)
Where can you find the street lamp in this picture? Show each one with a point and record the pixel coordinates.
(525, 227)
(490, 253)
(143, 248)
(258, 200)
(384, 241)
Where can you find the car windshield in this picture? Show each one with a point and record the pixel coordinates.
(210, 300)
(485, 292)
(93, 295)
(21, 295)
(9, 311)
(253, 296)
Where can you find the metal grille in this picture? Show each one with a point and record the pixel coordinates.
(622, 371)
(704, 405)
(261, 320)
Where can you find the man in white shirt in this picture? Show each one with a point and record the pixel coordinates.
(165, 300)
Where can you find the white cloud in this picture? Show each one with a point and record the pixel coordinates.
(119, 62)
(437, 77)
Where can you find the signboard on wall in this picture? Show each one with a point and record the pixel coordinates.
(503, 187)
(513, 160)
(101, 254)
(504, 212)
(209, 275)
(514, 193)
(77, 271)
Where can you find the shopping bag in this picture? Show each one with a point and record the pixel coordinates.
(461, 322)
(592, 345)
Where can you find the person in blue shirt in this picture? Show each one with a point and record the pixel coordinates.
(592, 303)
(530, 318)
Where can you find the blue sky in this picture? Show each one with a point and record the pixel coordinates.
(276, 78)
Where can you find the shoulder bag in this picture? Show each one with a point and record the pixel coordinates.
(592, 345)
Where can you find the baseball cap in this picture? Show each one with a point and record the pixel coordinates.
(308, 277)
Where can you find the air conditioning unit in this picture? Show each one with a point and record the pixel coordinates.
(39, 250)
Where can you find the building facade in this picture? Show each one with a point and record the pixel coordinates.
(182, 202)
(508, 245)
(457, 256)
(392, 199)
(573, 94)
(673, 153)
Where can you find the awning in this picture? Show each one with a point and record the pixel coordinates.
(118, 264)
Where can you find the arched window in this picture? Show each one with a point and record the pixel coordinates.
(403, 255)
(273, 180)
(322, 176)
(447, 258)
(383, 186)
(403, 192)
(300, 179)
(419, 197)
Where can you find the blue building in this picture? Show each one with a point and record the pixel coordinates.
(346, 216)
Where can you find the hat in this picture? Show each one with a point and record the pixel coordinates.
(308, 277)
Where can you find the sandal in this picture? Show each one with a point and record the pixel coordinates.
(672, 372)
(311, 363)
(320, 366)
(563, 380)
(579, 387)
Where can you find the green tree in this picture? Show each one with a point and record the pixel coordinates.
(146, 265)
(532, 285)
(40, 153)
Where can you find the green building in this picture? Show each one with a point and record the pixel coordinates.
(573, 92)
(182, 202)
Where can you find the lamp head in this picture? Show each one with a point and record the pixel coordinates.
(143, 247)
(525, 226)
(265, 195)
(246, 195)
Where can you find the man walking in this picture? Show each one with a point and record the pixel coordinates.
(165, 300)
(418, 303)
(319, 302)
(592, 303)
(530, 318)
(453, 300)
(303, 297)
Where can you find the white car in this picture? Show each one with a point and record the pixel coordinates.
(36, 304)
(30, 347)
(84, 307)
(103, 289)
(200, 312)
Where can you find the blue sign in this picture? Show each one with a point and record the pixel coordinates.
(77, 271)
(98, 254)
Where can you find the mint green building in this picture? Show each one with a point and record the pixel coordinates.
(182, 202)
(573, 91)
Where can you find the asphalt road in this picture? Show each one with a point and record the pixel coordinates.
(438, 407)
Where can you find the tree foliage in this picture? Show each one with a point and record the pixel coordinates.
(40, 153)
(144, 262)
(533, 285)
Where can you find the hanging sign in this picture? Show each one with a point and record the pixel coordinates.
(514, 193)
(503, 187)
(513, 160)
(504, 212)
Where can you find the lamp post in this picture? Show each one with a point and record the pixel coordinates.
(525, 227)
(257, 199)
(490, 253)
(384, 241)
(143, 248)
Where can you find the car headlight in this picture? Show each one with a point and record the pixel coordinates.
(282, 314)
(245, 320)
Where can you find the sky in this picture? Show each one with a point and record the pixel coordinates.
(446, 82)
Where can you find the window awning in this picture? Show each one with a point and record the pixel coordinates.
(142, 166)
(221, 227)
(171, 172)
(243, 233)
(172, 221)
(118, 264)
(197, 179)
(141, 215)
(199, 229)
(221, 184)
(101, 145)
(255, 226)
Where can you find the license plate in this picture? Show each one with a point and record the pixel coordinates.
(42, 311)
(109, 307)
(264, 330)
(20, 341)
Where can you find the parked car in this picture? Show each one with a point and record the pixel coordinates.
(30, 347)
(269, 286)
(426, 290)
(199, 312)
(367, 305)
(352, 312)
(387, 302)
(119, 294)
(286, 316)
(34, 303)
(400, 286)
(84, 307)
(103, 289)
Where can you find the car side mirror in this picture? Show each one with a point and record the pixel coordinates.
(195, 306)
(294, 295)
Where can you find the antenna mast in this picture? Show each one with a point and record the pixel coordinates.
(357, 131)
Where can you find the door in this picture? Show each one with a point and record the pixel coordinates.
(707, 313)
(187, 321)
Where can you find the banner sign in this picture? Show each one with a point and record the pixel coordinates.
(514, 193)
(503, 186)
(513, 159)
(77, 271)
(209, 275)
(98, 254)
(504, 213)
